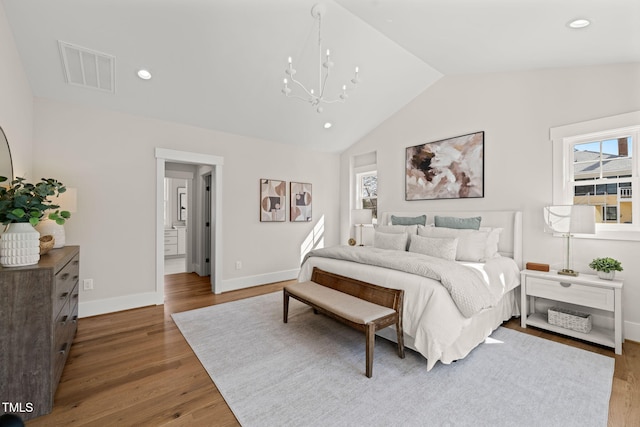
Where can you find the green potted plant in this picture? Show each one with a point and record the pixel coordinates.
(606, 267)
(22, 206)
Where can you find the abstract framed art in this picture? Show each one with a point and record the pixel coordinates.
(452, 168)
(300, 202)
(273, 196)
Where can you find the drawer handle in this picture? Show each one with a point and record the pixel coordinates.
(74, 319)
(65, 276)
(76, 262)
(75, 296)
(64, 295)
(565, 284)
(64, 320)
(63, 349)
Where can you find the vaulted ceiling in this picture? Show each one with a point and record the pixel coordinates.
(220, 64)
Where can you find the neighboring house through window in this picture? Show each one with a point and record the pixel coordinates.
(596, 163)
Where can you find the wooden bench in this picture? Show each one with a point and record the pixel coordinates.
(363, 306)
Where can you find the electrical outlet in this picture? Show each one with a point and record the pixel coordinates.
(87, 284)
(238, 265)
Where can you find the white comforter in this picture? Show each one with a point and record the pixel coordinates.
(431, 318)
(469, 288)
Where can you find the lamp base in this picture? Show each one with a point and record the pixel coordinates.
(567, 272)
(50, 227)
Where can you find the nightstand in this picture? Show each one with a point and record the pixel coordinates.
(585, 290)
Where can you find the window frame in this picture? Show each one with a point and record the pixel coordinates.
(564, 139)
(360, 173)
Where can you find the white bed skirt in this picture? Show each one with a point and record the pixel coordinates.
(473, 333)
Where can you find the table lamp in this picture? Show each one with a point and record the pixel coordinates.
(568, 220)
(360, 217)
(68, 201)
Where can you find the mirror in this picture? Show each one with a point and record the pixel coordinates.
(6, 167)
(182, 204)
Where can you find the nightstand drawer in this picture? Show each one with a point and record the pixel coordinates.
(589, 296)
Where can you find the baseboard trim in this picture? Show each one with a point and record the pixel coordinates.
(631, 331)
(111, 305)
(260, 279)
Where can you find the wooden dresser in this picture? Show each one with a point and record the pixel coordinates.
(38, 320)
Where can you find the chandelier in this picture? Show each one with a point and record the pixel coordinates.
(324, 69)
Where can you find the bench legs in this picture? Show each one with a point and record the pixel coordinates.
(285, 314)
(400, 334)
(370, 331)
(370, 334)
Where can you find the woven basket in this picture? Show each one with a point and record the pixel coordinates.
(46, 244)
(569, 319)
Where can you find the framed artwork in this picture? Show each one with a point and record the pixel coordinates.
(452, 168)
(273, 195)
(300, 202)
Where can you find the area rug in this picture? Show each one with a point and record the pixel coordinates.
(310, 372)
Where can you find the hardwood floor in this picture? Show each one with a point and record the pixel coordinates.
(134, 368)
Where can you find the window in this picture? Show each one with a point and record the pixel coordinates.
(363, 187)
(601, 175)
(596, 163)
(367, 191)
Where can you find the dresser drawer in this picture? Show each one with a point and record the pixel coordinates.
(65, 280)
(65, 330)
(171, 240)
(171, 250)
(589, 296)
(171, 233)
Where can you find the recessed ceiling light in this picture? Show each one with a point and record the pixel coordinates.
(327, 125)
(579, 23)
(144, 74)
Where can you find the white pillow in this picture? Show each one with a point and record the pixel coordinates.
(491, 249)
(472, 244)
(411, 230)
(397, 229)
(397, 242)
(434, 246)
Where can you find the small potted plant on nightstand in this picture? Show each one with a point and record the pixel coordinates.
(606, 267)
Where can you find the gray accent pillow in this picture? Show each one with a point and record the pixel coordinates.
(406, 220)
(396, 242)
(434, 246)
(472, 223)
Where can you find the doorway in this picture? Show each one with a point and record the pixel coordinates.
(206, 165)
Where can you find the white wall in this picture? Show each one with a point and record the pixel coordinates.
(16, 102)
(516, 111)
(110, 158)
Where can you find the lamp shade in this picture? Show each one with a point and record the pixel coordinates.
(361, 216)
(68, 201)
(570, 219)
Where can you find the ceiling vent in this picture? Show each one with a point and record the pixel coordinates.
(88, 68)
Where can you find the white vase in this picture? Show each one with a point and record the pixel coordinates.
(607, 275)
(19, 245)
(48, 227)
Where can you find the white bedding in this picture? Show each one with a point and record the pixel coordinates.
(431, 319)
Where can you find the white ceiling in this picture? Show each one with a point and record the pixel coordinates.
(219, 64)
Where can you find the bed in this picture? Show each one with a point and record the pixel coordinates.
(451, 305)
